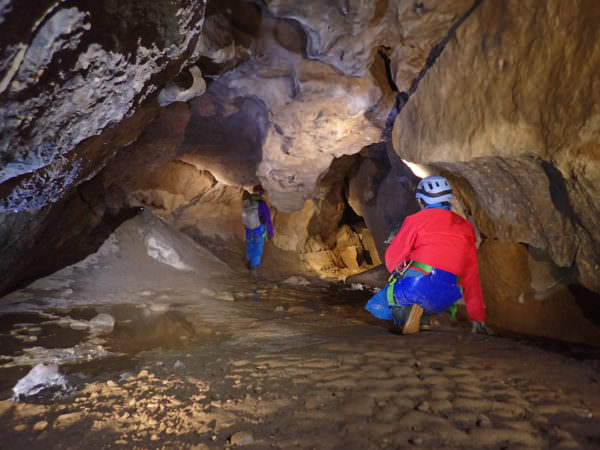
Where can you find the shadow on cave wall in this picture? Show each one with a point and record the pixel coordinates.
(588, 301)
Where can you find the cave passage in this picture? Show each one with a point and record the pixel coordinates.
(129, 132)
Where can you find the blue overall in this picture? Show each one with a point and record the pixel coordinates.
(255, 242)
(435, 292)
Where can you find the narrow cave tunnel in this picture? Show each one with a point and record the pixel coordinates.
(131, 135)
(356, 223)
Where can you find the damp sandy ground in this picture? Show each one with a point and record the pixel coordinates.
(204, 356)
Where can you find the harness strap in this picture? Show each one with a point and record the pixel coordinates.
(389, 293)
(428, 269)
(452, 309)
(424, 267)
(396, 275)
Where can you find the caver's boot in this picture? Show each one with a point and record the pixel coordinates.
(413, 321)
(426, 322)
(400, 314)
(406, 319)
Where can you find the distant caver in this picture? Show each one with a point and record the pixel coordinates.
(256, 217)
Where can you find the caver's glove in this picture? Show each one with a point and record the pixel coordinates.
(480, 328)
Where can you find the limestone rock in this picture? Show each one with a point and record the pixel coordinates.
(347, 34)
(69, 72)
(515, 95)
(77, 83)
(313, 112)
(533, 296)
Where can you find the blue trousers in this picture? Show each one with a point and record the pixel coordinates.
(434, 292)
(255, 242)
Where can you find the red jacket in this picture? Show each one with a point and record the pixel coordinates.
(445, 240)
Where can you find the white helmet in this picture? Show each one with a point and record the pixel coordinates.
(434, 189)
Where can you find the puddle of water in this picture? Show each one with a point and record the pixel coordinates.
(137, 329)
(149, 326)
(145, 331)
(19, 331)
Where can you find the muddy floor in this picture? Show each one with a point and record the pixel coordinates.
(203, 362)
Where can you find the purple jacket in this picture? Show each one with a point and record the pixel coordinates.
(264, 214)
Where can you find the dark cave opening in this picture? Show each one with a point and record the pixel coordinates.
(349, 216)
(355, 222)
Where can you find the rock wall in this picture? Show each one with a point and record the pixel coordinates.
(348, 34)
(78, 82)
(70, 71)
(512, 107)
(526, 293)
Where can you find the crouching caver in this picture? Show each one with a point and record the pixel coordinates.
(433, 263)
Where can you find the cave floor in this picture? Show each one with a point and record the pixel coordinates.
(291, 367)
(263, 363)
